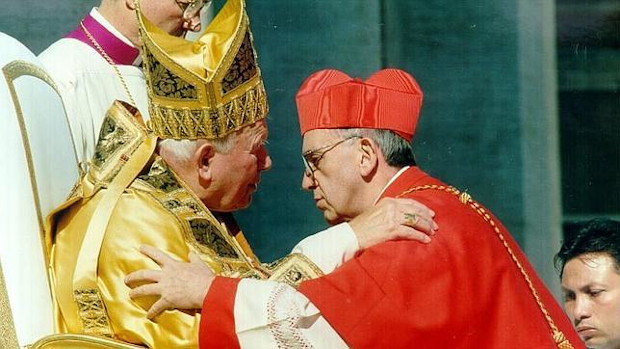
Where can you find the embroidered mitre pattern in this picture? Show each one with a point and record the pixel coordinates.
(165, 83)
(243, 67)
(208, 88)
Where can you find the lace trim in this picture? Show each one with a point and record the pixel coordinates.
(281, 305)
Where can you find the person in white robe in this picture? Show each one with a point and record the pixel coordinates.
(99, 62)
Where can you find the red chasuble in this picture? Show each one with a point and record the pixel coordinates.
(468, 288)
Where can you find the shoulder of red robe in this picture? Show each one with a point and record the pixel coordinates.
(389, 99)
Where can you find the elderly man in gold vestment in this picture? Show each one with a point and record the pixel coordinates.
(173, 183)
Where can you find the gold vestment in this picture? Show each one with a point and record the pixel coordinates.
(155, 208)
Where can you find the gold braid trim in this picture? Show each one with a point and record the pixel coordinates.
(209, 121)
(92, 312)
(466, 199)
(293, 270)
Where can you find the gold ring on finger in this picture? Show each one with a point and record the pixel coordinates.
(411, 219)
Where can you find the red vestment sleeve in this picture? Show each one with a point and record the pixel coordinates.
(217, 323)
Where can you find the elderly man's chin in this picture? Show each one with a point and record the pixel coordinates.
(238, 204)
(247, 197)
(332, 217)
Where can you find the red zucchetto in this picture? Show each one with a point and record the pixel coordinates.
(390, 99)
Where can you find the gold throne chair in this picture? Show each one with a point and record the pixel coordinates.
(38, 172)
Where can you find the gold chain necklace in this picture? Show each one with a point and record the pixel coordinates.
(109, 60)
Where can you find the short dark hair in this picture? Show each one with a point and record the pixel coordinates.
(594, 236)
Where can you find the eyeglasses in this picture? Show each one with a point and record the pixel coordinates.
(312, 158)
(192, 8)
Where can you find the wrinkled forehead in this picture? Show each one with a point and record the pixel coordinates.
(317, 138)
(259, 127)
(257, 132)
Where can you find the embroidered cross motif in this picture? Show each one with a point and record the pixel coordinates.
(92, 312)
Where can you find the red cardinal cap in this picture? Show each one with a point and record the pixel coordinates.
(390, 99)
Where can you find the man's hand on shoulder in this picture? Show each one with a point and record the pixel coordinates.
(178, 285)
(393, 219)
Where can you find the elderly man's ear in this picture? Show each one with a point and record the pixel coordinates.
(369, 160)
(204, 159)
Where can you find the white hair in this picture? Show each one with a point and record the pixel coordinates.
(181, 149)
(184, 149)
(396, 150)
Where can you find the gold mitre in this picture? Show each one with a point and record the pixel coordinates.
(207, 88)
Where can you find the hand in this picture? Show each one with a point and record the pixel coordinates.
(392, 219)
(179, 285)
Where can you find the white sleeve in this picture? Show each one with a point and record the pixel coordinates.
(269, 314)
(329, 248)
